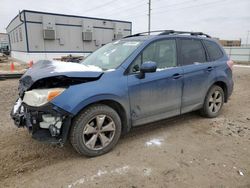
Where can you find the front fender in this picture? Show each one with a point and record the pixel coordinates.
(98, 98)
(77, 97)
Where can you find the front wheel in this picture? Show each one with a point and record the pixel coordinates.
(213, 102)
(96, 130)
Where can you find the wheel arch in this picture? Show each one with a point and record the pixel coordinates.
(120, 110)
(223, 85)
(117, 106)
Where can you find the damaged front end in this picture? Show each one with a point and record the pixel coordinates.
(37, 88)
(33, 110)
(47, 123)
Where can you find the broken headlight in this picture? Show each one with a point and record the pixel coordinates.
(39, 97)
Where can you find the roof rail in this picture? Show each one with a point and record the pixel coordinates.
(169, 32)
(143, 33)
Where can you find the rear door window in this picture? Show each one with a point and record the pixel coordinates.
(192, 51)
(213, 50)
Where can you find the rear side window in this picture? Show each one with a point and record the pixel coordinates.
(192, 51)
(213, 50)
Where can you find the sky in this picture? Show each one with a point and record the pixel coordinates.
(225, 19)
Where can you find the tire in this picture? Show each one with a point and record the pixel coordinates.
(96, 130)
(213, 102)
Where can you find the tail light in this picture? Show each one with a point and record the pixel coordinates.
(230, 63)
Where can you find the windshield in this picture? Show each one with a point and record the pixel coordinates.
(111, 55)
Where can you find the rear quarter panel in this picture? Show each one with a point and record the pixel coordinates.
(224, 74)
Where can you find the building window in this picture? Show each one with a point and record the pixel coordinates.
(10, 38)
(17, 36)
(14, 36)
(20, 34)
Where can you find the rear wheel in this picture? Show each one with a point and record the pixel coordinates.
(213, 102)
(96, 130)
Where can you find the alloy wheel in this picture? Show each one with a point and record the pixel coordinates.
(99, 132)
(215, 102)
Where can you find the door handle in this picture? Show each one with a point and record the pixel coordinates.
(177, 76)
(209, 69)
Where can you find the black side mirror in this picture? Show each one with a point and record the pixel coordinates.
(147, 67)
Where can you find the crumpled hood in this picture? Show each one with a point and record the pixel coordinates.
(45, 69)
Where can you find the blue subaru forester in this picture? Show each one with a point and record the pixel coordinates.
(126, 83)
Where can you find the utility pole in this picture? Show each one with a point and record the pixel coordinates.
(149, 16)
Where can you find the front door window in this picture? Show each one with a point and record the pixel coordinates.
(162, 52)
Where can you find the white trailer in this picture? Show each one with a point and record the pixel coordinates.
(41, 35)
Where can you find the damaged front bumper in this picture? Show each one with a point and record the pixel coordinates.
(47, 123)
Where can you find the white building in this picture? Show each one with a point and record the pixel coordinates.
(41, 35)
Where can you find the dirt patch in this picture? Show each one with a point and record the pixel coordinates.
(19, 67)
(188, 151)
